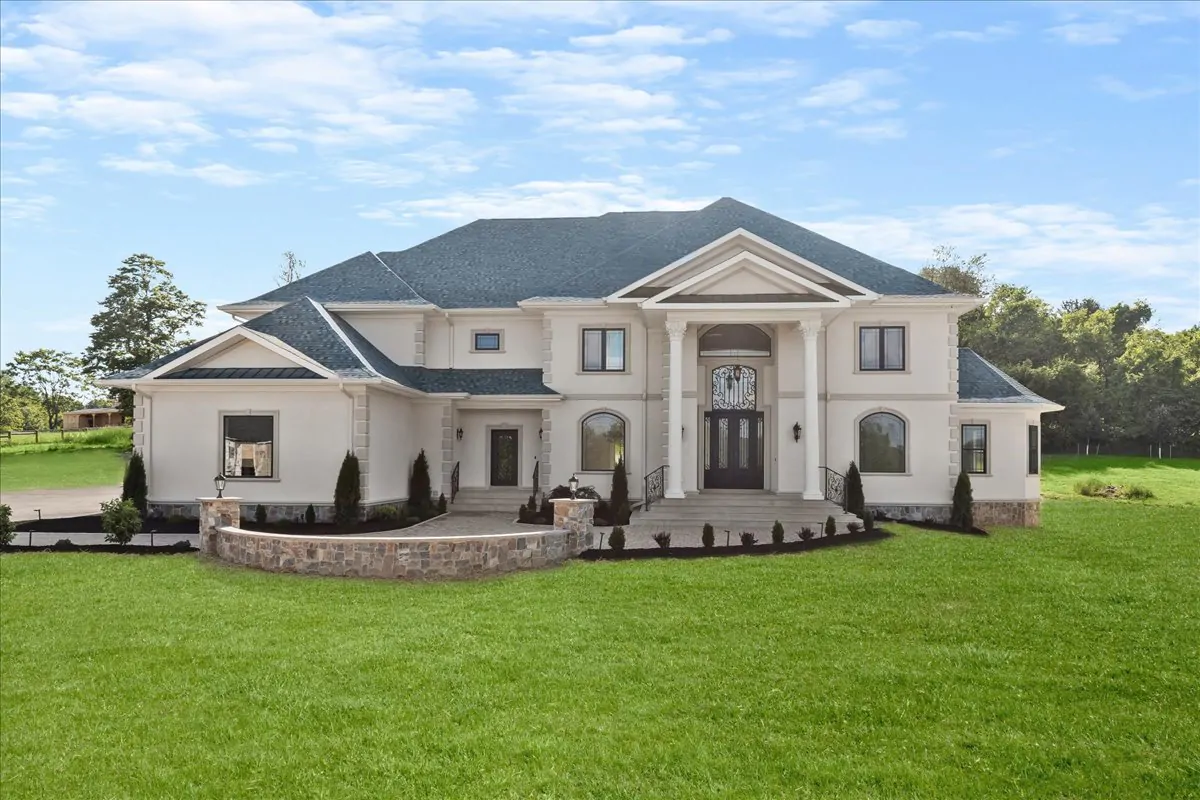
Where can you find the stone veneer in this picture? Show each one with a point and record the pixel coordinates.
(405, 557)
(276, 512)
(988, 513)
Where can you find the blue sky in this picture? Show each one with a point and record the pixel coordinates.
(1061, 138)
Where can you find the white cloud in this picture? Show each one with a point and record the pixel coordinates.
(25, 209)
(1189, 182)
(276, 147)
(1020, 146)
(991, 33)
(1089, 33)
(109, 113)
(44, 132)
(882, 29)
(722, 150)
(849, 89)
(216, 174)
(374, 173)
(1123, 90)
(650, 36)
(539, 199)
(545, 66)
(45, 166)
(787, 18)
(880, 131)
(767, 73)
(1106, 23)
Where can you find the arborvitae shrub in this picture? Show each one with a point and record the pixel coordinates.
(420, 490)
(830, 526)
(616, 539)
(777, 533)
(134, 487)
(347, 495)
(856, 504)
(310, 515)
(962, 512)
(620, 490)
(441, 505)
(260, 514)
(707, 536)
(623, 513)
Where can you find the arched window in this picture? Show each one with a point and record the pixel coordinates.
(603, 441)
(881, 442)
(736, 341)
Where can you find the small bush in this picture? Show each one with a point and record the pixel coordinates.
(388, 513)
(347, 494)
(777, 533)
(869, 521)
(830, 526)
(962, 512)
(134, 487)
(748, 539)
(532, 505)
(616, 539)
(63, 544)
(663, 540)
(310, 515)
(441, 504)
(1136, 493)
(1092, 487)
(707, 535)
(120, 521)
(559, 492)
(523, 515)
(854, 526)
(806, 533)
(7, 529)
(260, 514)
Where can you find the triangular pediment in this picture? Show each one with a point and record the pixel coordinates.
(241, 351)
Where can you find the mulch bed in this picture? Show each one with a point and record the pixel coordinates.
(123, 549)
(329, 528)
(766, 549)
(91, 524)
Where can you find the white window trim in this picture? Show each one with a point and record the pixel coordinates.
(907, 443)
(624, 444)
(596, 326)
(858, 370)
(276, 464)
(987, 447)
(487, 332)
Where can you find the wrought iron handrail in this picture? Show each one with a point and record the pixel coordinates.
(537, 469)
(655, 486)
(833, 485)
(454, 482)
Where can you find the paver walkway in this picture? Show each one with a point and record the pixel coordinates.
(58, 502)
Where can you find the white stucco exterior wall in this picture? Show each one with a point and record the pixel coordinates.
(394, 334)
(393, 447)
(474, 451)
(1007, 476)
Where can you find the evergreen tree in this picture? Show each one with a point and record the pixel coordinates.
(962, 513)
(347, 495)
(420, 490)
(619, 500)
(856, 503)
(134, 488)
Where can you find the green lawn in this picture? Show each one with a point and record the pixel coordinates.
(1174, 481)
(60, 469)
(1051, 663)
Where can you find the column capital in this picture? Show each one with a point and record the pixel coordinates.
(676, 330)
(811, 328)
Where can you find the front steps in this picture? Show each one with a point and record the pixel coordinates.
(481, 500)
(738, 511)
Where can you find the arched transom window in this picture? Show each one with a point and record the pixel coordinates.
(734, 388)
(603, 441)
(736, 341)
(881, 443)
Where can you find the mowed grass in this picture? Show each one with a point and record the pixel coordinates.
(1174, 481)
(1058, 662)
(61, 470)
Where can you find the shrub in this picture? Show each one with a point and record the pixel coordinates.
(64, 544)
(134, 487)
(523, 515)
(310, 515)
(806, 533)
(1092, 487)
(388, 513)
(120, 521)
(441, 504)
(856, 504)
(559, 492)
(616, 539)
(706, 535)
(420, 490)
(962, 515)
(663, 540)
(869, 521)
(532, 505)
(260, 514)
(623, 513)
(7, 529)
(854, 526)
(1136, 493)
(777, 533)
(830, 526)
(748, 539)
(620, 489)
(347, 495)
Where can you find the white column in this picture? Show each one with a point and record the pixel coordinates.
(812, 417)
(675, 332)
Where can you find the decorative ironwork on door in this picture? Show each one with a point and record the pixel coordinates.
(734, 388)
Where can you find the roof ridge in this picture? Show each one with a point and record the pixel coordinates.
(396, 275)
(580, 275)
(342, 335)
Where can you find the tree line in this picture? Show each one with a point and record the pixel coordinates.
(143, 317)
(1124, 383)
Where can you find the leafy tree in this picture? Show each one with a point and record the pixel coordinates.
(7, 528)
(347, 494)
(134, 488)
(20, 407)
(292, 269)
(962, 276)
(55, 376)
(1015, 326)
(143, 317)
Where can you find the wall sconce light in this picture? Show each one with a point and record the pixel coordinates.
(540, 433)
(458, 434)
(796, 431)
(219, 482)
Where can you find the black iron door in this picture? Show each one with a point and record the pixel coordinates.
(504, 457)
(733, 450)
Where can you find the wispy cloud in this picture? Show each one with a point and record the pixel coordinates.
(883, 29)
(25, 209)
(215, 173)
(650, 36)
(1121, 89)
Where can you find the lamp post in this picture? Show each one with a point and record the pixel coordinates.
(574, 485)
(219, 482)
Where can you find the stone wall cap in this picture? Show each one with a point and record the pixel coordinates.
(575, 500)
(397, 538)
(213, 499)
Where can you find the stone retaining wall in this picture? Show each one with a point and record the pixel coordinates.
(988, 513)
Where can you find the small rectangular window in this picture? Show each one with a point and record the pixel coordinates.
(881, 348)
(1035, 442)
(974, 449)
(249, 445)
(489, 341)
(603, 349)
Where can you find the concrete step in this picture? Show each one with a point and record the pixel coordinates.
(505, 499)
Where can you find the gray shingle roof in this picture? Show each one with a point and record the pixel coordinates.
(981, 381)
(495, 263)
(241, 373)
(146, 369)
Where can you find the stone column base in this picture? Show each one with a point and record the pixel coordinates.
(1008, 513)
(217, 512)
(575, 517)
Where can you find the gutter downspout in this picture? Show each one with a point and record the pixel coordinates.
(645, 403)
(350, 430)
(449, 340)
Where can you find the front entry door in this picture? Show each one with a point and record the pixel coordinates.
(504, 457)
(733, 450)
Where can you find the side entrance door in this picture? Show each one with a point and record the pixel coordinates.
(504, 457)
(733, 450)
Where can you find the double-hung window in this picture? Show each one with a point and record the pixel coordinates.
(248, 446)
(974, 449)
(603, 349)
(1035, 461)
(881, 348)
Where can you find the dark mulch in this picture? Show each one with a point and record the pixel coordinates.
(331, 529)
(937, 526)
(766, 549)
(64, 546)
(91, 524)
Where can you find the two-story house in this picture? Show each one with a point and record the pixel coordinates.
(723, 349)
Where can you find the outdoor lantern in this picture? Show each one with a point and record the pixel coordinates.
(796, 431)
(574, 484)
(219, 482)
(458, 434)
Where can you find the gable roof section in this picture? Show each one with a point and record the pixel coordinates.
(243, 373)
(981, 381)
(158, 363)
(362, 279)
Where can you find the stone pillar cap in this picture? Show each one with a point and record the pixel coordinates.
(573, 500)
(207, 499)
